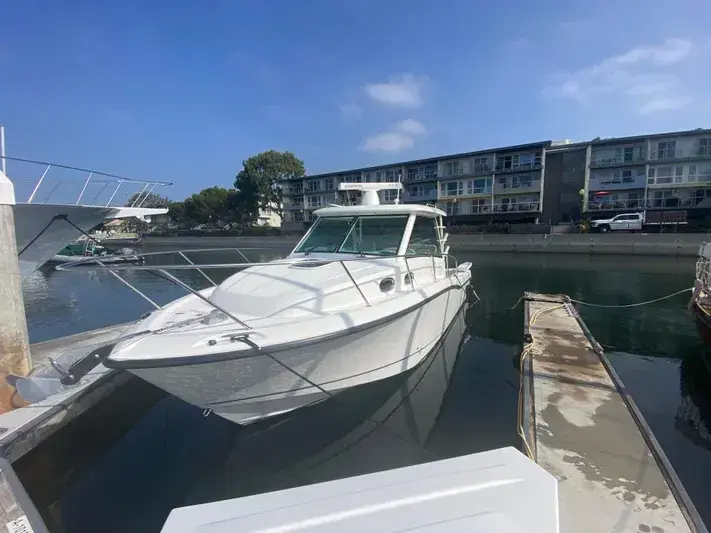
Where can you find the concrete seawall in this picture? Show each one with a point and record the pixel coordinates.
(653, 244)
(646, 244)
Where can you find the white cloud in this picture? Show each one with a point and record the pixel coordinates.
(664, 104)
(392, 141)
(400, 138)
(646, 74)
(404, 90)
(350, 112)
(411, 127)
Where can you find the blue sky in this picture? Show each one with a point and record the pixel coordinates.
(185, 90)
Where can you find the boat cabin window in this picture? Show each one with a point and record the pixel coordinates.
(326, 235)
(375, 235)
(368, 235)
(424, 239)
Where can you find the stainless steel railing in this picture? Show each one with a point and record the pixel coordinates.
(80, 186)
(136, 262)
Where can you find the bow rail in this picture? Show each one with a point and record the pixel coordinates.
(138, 262)
(67, 185)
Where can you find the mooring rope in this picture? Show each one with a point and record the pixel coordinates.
(638, 304)
(635, 304)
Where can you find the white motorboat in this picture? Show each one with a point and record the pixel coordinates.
(365, 295)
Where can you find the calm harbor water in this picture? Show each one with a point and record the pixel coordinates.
(463, 399)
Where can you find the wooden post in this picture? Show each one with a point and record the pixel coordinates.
(14, 342)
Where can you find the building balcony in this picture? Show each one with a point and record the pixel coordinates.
(475, 193)
(680, 154)
(518, 188)
(617, 161)
(292, 192)
(616, 184)
(662, 182)
(419, 197)
(518, 207)
(615, 205)
(292, 207)
(525, 167)
(475, 170)
(419, 177)
(675, 203)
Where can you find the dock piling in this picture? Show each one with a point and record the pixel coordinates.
(14, 342)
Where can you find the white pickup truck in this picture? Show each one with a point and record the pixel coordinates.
(626, 222)
(637, 221)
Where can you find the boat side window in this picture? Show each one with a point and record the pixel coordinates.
(375, 235)
(327, 234)
(424, 239)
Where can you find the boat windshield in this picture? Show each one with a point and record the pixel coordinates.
(366, 235)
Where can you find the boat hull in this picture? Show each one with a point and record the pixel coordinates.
(251, 388)
(703, 324)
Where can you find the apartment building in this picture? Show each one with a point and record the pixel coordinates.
(475, 187)
(654, 172)
(539, 182)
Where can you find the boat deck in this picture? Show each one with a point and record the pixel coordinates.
(582, 427)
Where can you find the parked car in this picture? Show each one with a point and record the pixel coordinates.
(638, 221)
(626, 222)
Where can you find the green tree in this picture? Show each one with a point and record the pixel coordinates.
(213, 205)
(147, 199)
(259, 182)
(176, 212)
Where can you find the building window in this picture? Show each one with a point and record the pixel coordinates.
(481, 164)
(480, 205)
(628, 154)
(421, 191)
(480, 186)
(666, 149)
(328, 184)
(389, 195)
(453, 168)
(452, 188)
(504, 163)
(426, 172)
(313, 185)
(452, 208)
(703, 147)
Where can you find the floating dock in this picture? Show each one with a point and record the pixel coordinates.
(580, 425)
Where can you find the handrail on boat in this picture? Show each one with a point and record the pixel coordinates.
(118, 181)
(161, 270)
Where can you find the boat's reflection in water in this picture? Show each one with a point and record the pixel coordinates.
(365, 429)
(174, 456)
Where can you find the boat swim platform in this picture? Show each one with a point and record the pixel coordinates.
(578, 423)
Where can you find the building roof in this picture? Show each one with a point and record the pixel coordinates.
(635, 138)
(390, 209)
(528, 146)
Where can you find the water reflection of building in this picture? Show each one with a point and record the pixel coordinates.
(693, 417)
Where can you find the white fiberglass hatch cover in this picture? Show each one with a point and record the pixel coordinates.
(499, 491)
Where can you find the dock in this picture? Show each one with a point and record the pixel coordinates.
(578, 423)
